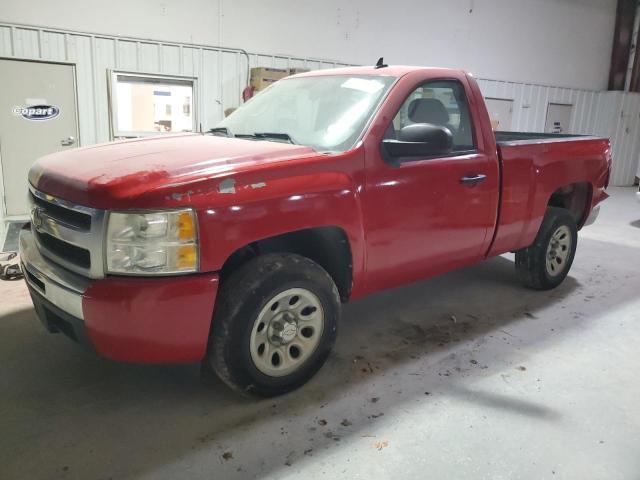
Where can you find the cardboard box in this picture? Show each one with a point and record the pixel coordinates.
(295, 71)
(258, 83)
(262, 77)
(268, 72)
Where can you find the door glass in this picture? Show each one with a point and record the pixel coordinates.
(144, 105)
(441, 103)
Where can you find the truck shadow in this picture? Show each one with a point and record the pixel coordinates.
(86, 417)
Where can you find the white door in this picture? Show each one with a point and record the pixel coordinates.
(558, 118)
(500, 113)
(37, 116)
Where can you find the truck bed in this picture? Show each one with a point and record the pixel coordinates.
(531, 165)
(534, 137)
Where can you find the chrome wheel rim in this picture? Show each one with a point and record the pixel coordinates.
(286, 332)
(558, 251)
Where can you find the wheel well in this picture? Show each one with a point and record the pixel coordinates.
(575, 197)
(327, 246)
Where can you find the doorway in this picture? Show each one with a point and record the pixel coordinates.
(500, 112)
(38, 116)
(558, 118)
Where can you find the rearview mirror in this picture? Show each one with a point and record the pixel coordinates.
(419, 140)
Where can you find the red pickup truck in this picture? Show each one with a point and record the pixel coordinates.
(237, 247)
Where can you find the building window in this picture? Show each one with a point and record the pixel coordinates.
(148, 104)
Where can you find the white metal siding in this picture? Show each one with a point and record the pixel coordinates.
(618, 117)
(221, 73)
(615, 115)
(530, 104)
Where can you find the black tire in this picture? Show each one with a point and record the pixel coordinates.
(242, 297)
(531, 262)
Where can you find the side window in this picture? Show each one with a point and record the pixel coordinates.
(440, 103)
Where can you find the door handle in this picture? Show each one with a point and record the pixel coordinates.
(65, 142)
(473, 179)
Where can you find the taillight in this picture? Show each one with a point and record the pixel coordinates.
(609, 162)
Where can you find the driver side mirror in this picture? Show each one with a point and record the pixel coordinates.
(418, 141)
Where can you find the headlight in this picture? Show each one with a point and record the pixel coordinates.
(153, 243)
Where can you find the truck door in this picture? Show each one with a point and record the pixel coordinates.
(429, 215)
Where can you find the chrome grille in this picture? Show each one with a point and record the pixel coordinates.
(71, 218)
(67, 234)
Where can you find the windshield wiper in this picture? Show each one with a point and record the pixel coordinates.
(221, 130)
(274, 136)
(268, 136)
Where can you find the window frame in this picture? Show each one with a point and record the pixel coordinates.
(115, 133)
(459, 153)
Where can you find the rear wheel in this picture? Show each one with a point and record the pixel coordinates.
(546, 263)
(275, 324)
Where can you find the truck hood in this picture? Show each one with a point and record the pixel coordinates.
(113, 175)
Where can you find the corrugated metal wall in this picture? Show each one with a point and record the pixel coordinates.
(615, 115)
(221, 75)
(530, 104)
(618, 117)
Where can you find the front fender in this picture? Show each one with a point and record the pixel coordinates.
(254, 211)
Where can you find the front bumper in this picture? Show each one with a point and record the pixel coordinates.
(57, 320)
(131, 319)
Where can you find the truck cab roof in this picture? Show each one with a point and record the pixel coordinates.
(388, 71)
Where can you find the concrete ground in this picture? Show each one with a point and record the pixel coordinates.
(466, 376)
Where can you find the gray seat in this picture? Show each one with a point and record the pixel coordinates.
(425, 110)
(429, 110)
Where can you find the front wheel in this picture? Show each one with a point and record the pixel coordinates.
(275, 323)
(546, 263)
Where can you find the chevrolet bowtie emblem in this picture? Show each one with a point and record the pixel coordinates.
(36, 217)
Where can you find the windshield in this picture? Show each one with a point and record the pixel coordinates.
(327, 113)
